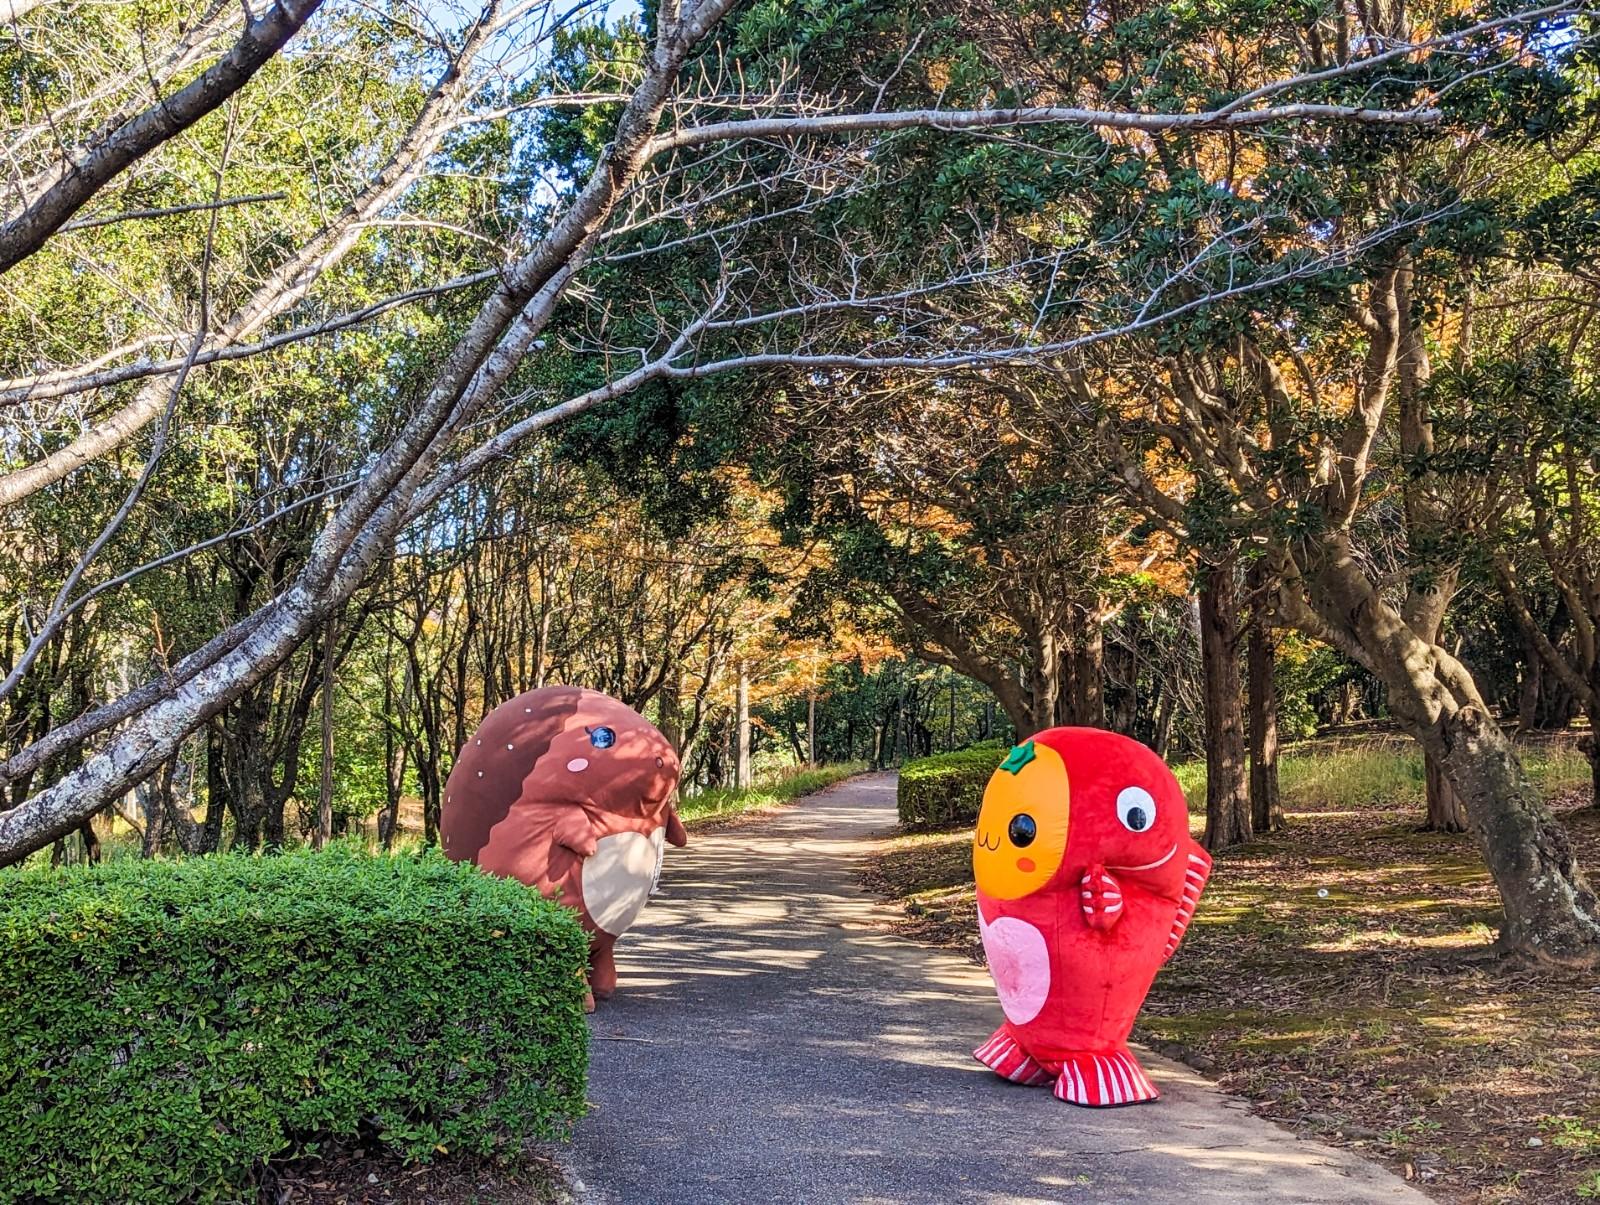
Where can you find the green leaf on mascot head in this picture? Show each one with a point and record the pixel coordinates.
(1018, 757)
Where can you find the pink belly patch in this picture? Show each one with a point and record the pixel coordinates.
(1020, 964)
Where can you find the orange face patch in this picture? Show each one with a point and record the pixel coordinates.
(1022, 825)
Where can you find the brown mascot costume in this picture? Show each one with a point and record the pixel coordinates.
(570, 792)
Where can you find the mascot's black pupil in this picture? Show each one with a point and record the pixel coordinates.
(602, 737)
(1137, 820)
(1023, 830)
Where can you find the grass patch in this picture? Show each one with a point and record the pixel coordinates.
(1314, 778)
(1335, 975)
(769, 792)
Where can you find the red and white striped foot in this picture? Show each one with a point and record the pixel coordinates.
(1102, 1081)
(1005, 1058)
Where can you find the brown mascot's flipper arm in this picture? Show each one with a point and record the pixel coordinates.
(676, 834)
(573, 830)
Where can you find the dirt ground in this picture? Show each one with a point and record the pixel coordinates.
(350, 1177)
(1338, 975)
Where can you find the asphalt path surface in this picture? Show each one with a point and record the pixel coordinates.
(772, 1042)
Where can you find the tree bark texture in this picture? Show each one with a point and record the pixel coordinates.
(741, 751)
(1446, 813)
(1227, 781)
(325, 776)
(1266, 804)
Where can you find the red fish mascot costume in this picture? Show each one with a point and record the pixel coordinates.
(569, 791)
(1087, 878)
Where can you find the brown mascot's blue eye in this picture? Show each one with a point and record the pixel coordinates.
(1022, 830)
(602, 737)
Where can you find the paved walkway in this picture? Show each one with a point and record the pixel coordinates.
(771, 1043)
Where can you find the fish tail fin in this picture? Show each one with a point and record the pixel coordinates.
(1007, 1059)
(1104, 1080)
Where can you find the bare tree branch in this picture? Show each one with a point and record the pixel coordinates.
(88, 171)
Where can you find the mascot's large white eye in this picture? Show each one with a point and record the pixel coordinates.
(1136, 809)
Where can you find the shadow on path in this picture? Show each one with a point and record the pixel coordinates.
(772, 1043)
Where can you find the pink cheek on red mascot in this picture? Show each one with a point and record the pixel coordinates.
(569, 791)
(1087, 878)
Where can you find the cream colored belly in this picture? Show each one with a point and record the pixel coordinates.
(618, 876)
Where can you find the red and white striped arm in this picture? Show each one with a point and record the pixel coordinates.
(1195, 875)
(1101, 897)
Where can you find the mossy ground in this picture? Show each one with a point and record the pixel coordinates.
(1339, 975)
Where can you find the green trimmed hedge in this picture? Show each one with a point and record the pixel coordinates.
(946, 790)
(166, 1026)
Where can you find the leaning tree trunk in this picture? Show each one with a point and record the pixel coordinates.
(1227, 783)
(1551, 913)
(1266, 804)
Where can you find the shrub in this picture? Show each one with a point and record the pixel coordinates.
(165, 1026)
(946, 790)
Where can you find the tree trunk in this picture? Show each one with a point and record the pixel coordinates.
(1530, 688)
(1083, 689)
(1551, 912)
(1227, 783)
(432, 790)
(91, 843)
(155, 814)
(1266, 804)
(1161, 737)
(811, 730)
(1044, 686)
(1446, 812)
(669, 707)
(162, 812)
(325, 778)
(192, 838)
(1594, 768)
(1591, 743)
(741, 750)
(394, 786)
(216, 789)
